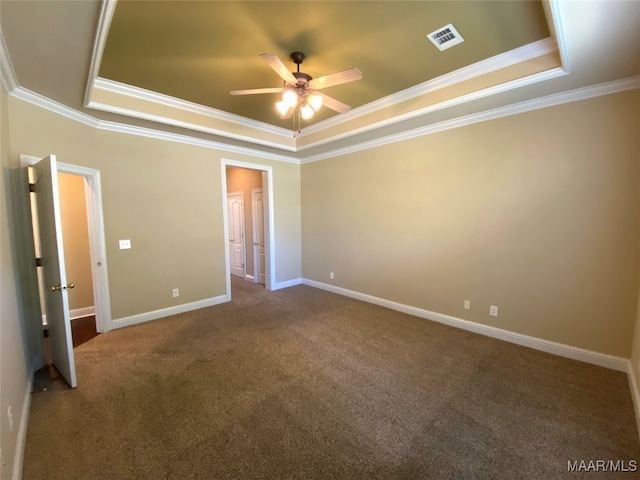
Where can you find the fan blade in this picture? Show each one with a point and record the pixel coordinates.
(338, 78)
(254, 91)
(280, 68)
(334, 104)
(289, 113)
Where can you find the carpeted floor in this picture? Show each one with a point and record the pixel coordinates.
(304, 384)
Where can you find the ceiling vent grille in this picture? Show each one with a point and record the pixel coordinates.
(445, 37)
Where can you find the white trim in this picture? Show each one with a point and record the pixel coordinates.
(139, 93)
(568, 351)
(211, 144)
(287, 284)
(494, 90)
(8, 74)
(188, 125)
(77, 313)
(21, 435)
(41, 101)
(269, 227)
(249, 277)
(513, 109)
(99, 42)
(165, 312)
(635, 393)
(67, 112)
(483, 67)
(554, 21)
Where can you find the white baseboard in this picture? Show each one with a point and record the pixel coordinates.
(635, 393)
(286, 284)
(82, 312)
(21, 436)
(249, 277)
(165, 312)
(75, 314)
(563, 350)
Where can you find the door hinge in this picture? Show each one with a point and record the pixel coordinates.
(38, 262)
(32, 187)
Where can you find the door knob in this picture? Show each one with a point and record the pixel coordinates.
(70, 285)
(55, 288)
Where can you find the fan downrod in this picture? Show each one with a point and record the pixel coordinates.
(298, 58)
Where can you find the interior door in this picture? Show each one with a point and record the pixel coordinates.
(235, 205)
(257, 209)
(55, 279)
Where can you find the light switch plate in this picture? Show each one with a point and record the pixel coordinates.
(124, 244)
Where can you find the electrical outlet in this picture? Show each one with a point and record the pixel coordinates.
(176, 292)
(331, 275)
(467, 304)
(493, 311)
(124, 244)
(10, 418)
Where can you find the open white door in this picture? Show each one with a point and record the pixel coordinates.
(257, 210)
(55, 279)
(235, 204)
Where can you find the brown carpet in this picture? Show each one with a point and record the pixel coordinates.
(305, 384)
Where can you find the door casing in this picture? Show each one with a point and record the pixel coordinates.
(269, 228)
(97, 243)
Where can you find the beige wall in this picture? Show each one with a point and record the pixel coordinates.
(635, 364)
(166, 198)
(20, 315)
(244, 180)
(537, 213)
(75, 238)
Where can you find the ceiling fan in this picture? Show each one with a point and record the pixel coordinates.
(300, 90)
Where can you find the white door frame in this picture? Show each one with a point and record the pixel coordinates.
(97, 243)
(269, 229)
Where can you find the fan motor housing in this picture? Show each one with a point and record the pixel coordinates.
(302, 77)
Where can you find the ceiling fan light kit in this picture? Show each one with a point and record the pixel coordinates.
(300, 91)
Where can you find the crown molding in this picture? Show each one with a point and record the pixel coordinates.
(175, 137)
(138, 93)
(187, 125)
(102, 31)
(8, 74)
(518, 83)
(570, 96)
(68, 112)
(483, 67)
(556, 28)
(584, 93)
(41, 101)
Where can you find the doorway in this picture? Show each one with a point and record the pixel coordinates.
(50, 217)
(250, 188)
(75, 238)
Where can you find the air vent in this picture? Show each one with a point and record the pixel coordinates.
(445, 37)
